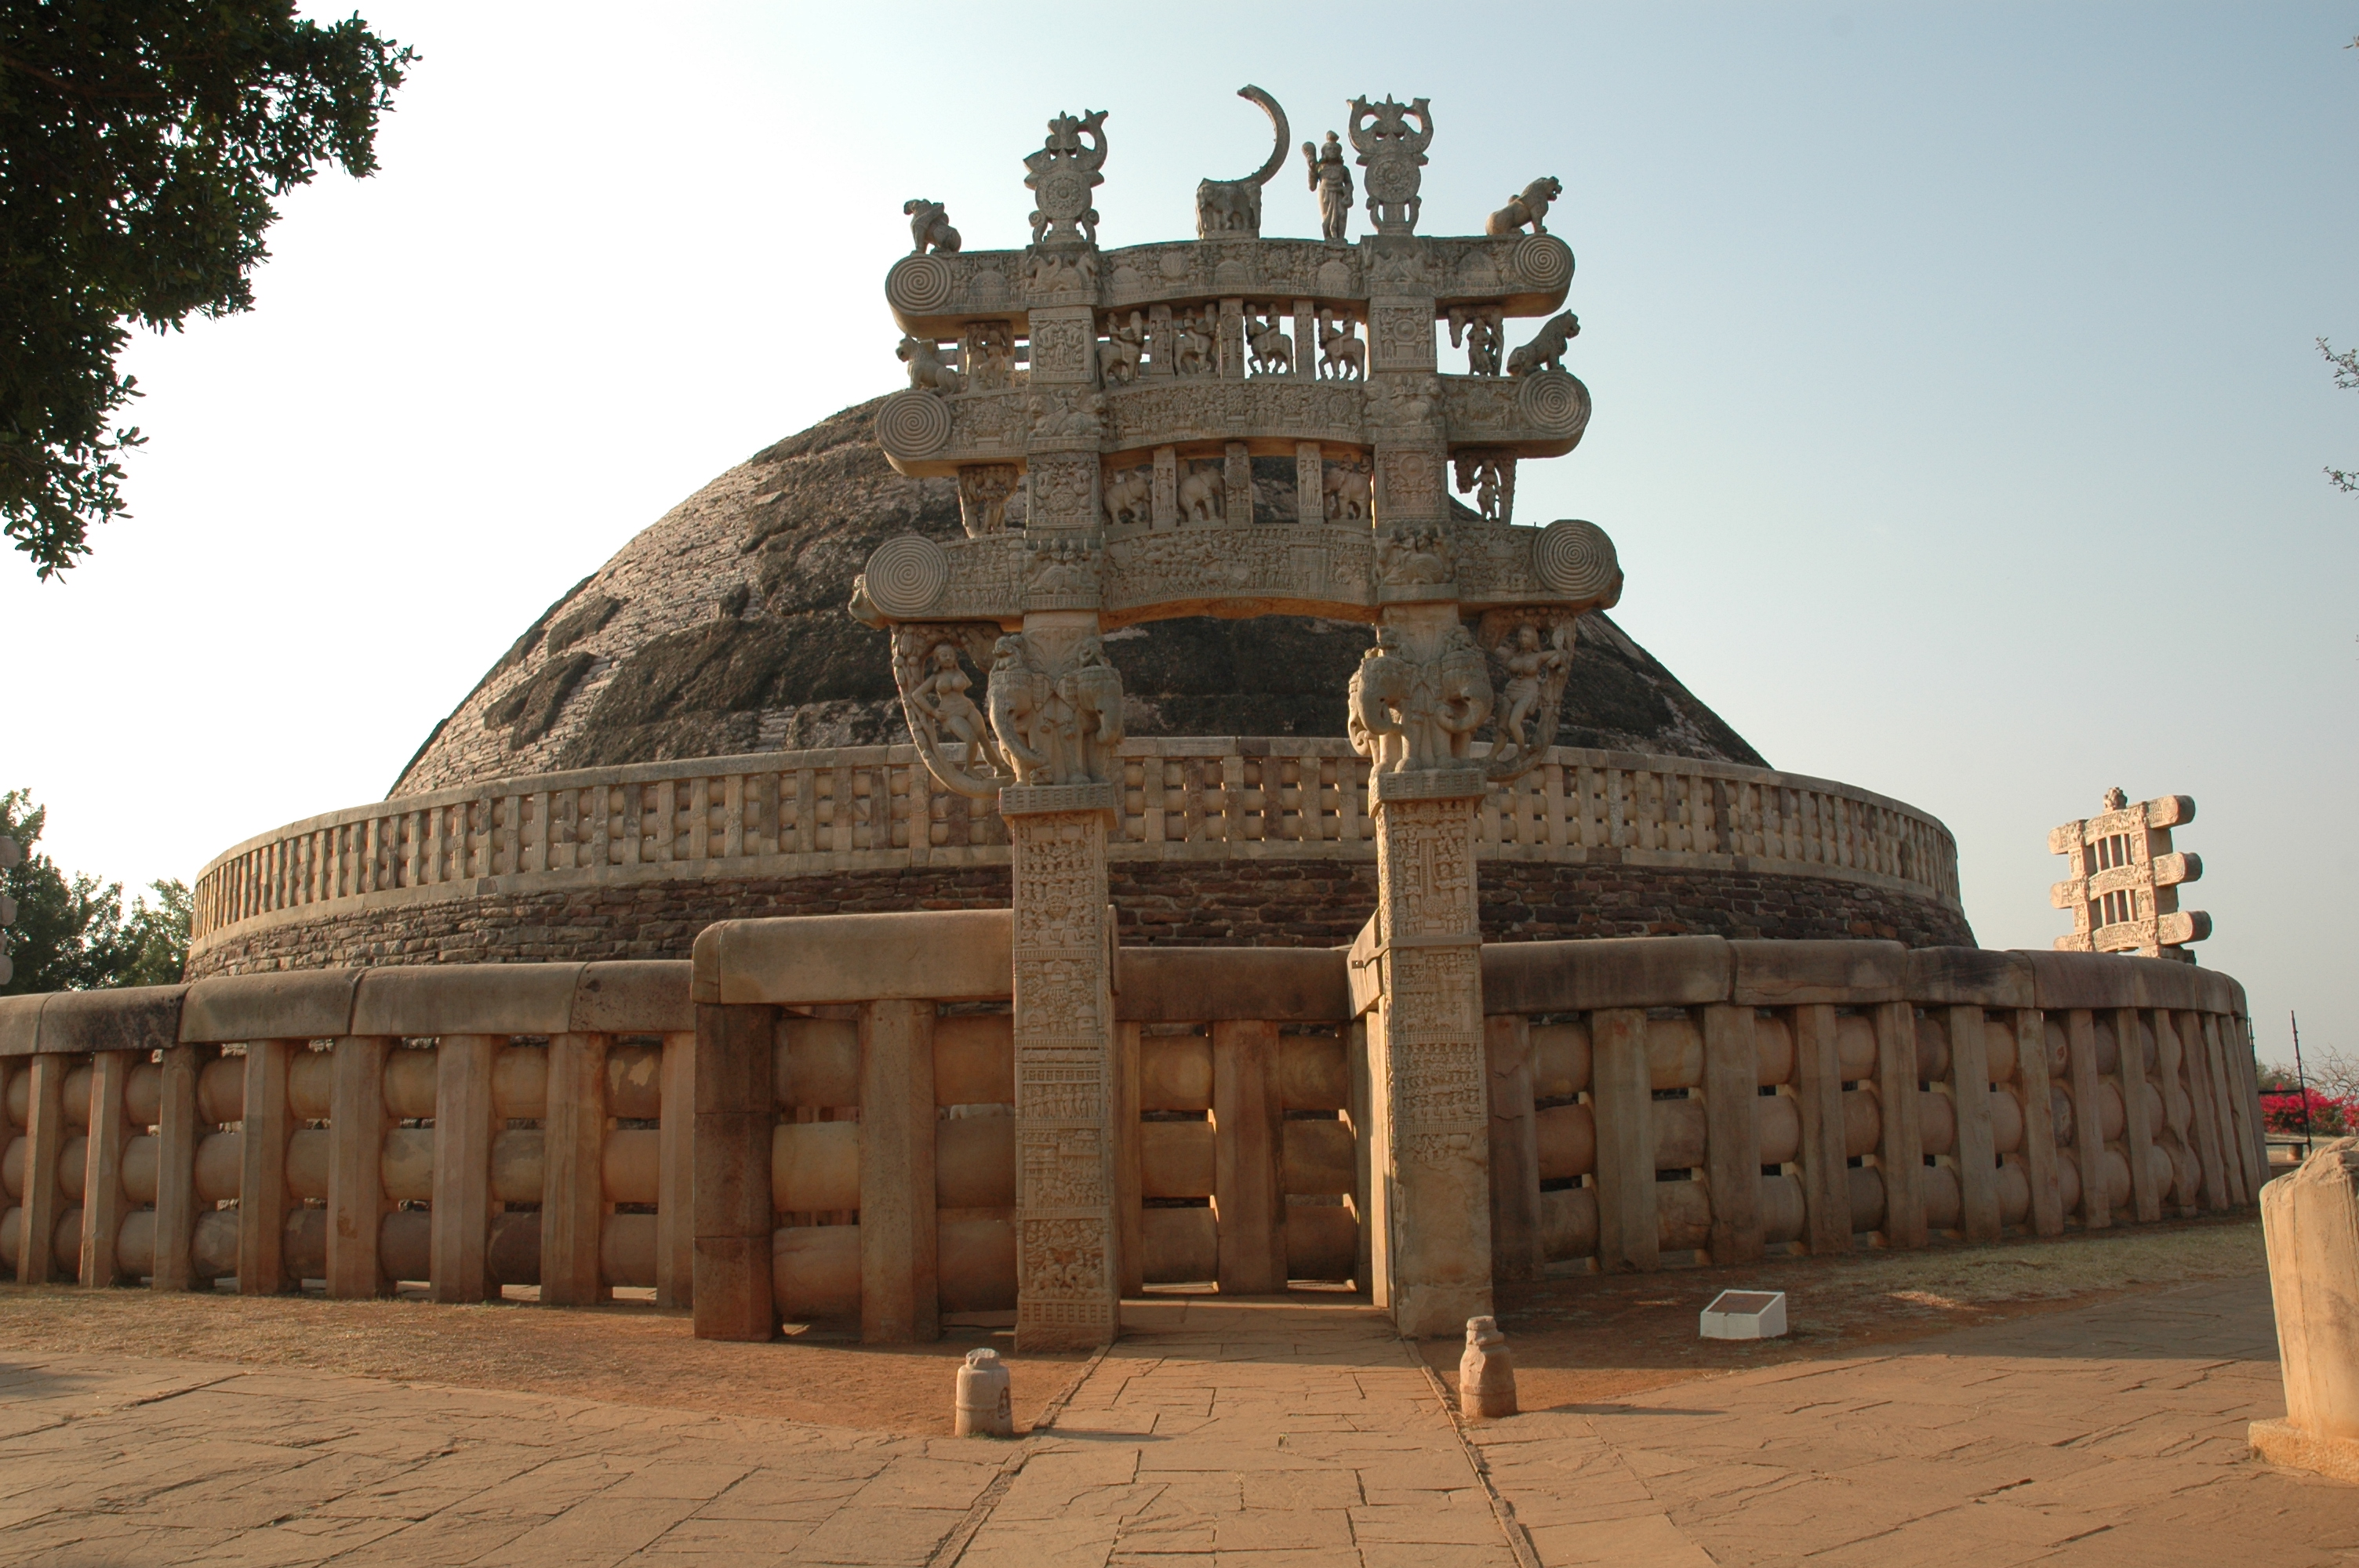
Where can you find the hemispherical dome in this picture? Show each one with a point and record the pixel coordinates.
(721, 630)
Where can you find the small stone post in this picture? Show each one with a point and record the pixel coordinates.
(984, 1408)
(2311, 1220)
(1486, 1373)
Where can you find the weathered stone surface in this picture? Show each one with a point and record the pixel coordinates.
(1157, 903)
(721, 630)
(2312, 1221)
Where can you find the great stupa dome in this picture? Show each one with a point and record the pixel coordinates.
(700, 730)
(721, 630)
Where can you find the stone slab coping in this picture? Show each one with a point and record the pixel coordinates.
(643, 997)
(948, 954)
(967, 954)
(1694, 971)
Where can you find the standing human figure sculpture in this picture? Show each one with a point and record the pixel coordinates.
(1530, 665)
(942, 698)
(1331, 178)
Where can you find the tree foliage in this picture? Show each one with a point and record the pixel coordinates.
(72, 933)
(142, 143)
(2346, 376)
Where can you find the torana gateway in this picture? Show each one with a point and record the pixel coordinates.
(1208, 851)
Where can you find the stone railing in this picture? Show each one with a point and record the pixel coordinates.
(1639, 1090)
(467, 1126)
(846, 1087)
(794, 813)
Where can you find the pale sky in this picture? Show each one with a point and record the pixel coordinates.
(1958, 414)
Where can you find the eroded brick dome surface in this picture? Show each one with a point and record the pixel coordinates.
(721, 629)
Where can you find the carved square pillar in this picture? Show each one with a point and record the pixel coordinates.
(1064, 345)
(1233, 339)
(1430, 1191)
(1167, 487)
(1400, 335)
(1310, 483)
(1065, 490)
(1409, 483)
(1306, 340)
(1237, 482)
(1067, 1273)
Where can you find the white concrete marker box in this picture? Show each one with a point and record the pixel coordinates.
(1746, 1315)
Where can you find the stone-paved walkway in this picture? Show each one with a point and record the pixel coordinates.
(1258, 1433)
(2106, 1434)
(1271, 1433)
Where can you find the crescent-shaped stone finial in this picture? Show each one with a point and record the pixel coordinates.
(1277, 123)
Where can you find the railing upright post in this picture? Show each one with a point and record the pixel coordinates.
(573, 1151)
(103, 1203)
(45, 1134)
(262, 1198)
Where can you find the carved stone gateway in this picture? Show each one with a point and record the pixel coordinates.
(1126, 393)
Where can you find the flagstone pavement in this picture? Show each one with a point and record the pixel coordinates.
(1260, 1433)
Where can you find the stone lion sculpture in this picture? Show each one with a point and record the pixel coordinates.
(1531, 208)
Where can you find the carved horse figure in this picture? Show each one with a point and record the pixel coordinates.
(1531, 208)
(1272, 345)
(1119, 356)
(1341, 356)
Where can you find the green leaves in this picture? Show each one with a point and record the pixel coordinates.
(71, 933)
(141, 144)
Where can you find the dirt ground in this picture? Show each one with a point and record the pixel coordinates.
(1585, 1341)
(1582, 1341)
(626, 1353)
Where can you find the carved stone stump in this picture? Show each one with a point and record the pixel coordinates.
(1066, 1295)
(1432, 1191)
(2311, 1219)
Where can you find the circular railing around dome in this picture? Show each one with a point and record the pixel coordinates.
(789, 814)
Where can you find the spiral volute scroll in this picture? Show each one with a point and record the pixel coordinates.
(913, 424)
(905, 576)
(920, 285)
(1544, 262)
(1554, 401)
(1576, 559)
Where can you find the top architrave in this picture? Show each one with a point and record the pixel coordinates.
(937, 294)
